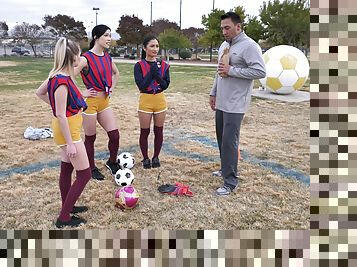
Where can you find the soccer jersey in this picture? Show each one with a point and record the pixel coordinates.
(75, 101)
(99, 74)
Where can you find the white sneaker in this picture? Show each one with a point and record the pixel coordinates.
(217, 173)
(223, 191)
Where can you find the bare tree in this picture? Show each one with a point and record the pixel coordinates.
(3, 33)
(28, 33)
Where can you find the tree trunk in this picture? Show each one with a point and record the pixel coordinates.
(137, 51)
(4, 50)
(34, 49)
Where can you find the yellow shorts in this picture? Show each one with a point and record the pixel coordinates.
(150, 103)
(75, 125)
(96, 105)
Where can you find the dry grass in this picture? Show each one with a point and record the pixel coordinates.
(271, 130)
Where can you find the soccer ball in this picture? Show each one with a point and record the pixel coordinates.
(124, 177)
(126, 197)
(287, 69)
(126, 160)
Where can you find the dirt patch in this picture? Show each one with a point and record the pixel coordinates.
(7, 64)
(271, 130)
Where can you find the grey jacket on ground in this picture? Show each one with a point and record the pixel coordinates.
(233, 93)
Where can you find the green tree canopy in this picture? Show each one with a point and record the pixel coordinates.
(212, 23)
(286, 22)
(171, 38)
(65, 26)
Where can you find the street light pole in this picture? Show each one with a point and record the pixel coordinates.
(96, 14)
(151, 13)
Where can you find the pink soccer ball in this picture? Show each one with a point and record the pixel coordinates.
(126, 197)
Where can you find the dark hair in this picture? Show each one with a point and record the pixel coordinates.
(233, 16)
(98, 31)
(147, 39)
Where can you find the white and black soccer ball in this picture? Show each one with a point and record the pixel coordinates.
(124, 177)
(126, 160)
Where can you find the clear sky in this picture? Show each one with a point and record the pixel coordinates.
(33, 11)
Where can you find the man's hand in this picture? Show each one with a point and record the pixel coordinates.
(212, 102)
(223, 69)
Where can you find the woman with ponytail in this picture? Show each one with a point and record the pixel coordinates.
(100, 75)
(152, 77)
(62, 94)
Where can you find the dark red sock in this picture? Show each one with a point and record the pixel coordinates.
(158, 131)
(89, 144)
(143, 141)
(83, 176)
(65, 179)
(113, 144)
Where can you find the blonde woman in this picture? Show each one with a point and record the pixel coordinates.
(99, 75)
(67, 103)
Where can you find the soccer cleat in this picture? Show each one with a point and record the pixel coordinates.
(97, 175)
(155, 162)
(73, 222)
(146, 163)
(112, 166)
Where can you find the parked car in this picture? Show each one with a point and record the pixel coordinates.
(20, 50)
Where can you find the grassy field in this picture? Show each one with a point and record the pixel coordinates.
(272, 131)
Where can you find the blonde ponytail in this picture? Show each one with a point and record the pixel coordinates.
(65, 52)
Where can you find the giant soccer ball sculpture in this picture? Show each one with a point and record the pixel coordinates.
(287, 69)
(126, 197)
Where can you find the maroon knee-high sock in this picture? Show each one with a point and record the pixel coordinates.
(65, 179)
(113, 144)
(89, 144)
(83, 176)
(143, 141)
(158, 131)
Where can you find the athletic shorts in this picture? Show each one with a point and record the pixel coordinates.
(96, 105)
(152, 103)
(75, 125)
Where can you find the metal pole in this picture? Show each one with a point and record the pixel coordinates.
(96, 14)
(151, 14)
(180, 12)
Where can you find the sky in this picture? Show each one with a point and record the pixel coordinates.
(33, 11)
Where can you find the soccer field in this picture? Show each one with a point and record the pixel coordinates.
(273, 193)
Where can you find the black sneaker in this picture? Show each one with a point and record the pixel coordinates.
(97, 175)
(146, 163)
(112, 166)
(73, 222)
(79, 209)
(155, 162)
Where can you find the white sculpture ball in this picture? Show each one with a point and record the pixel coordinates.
(287, 69)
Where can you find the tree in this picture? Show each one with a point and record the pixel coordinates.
(241, 12)
(160, 25)
(194, 35)
(286, 22)
(3, 33)
(28, 33)
(254, 29)
(171, 38)
(213, 35)
(132, 31)
(63, 25)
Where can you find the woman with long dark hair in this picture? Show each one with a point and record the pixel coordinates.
(152, 77)
(100, 75)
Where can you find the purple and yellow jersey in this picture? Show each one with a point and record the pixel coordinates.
(75, 101)
(99, 75)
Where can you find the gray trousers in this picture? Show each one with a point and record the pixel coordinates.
(227, 132)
